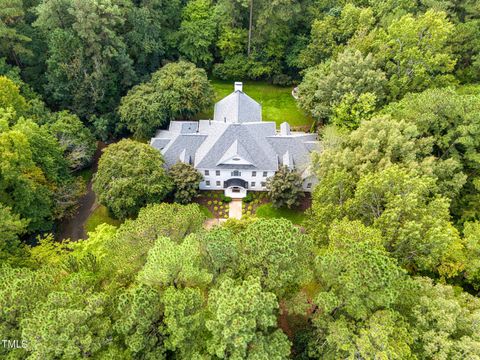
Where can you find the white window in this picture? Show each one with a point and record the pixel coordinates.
(254, 173)
(218, 183)
(236, 173)
(264, 184)
(265, 174)
(207, 172)
(217, 172)
(252, 184)
(309, 185)
(207, 183)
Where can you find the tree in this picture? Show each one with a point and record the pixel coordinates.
(186, 180)
(12, 41)
(197, 32)
(242, 322)
(330, 34)
(11, 228)
(415, 54)
(66, 323)
(177, 265)
(127, 251)
(77, 141)
(276, 253)
(176, 91)
(19, 290)
(352, 110)
(10, 96)
(23, 185)
(87, 66)
(140, 322)
(150, 33)
(285, 188)
(449, 121)
(445, 322)
(130, 175)
(360, 285)
(185, 322)
(413, 219)
(350, 74)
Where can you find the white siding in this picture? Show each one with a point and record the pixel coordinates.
(227, 174)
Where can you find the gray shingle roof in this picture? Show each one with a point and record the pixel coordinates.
(237, 107)
(235, 139)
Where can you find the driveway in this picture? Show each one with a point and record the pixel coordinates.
(235, 209)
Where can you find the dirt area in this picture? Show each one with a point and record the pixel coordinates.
(73, 228)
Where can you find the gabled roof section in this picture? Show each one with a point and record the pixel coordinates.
(245, 140)
(237, 107)
(236, 155)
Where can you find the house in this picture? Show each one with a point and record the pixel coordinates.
(237, 151)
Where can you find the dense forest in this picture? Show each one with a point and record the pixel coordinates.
(386, 264)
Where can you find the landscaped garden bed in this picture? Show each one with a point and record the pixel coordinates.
(216, 203)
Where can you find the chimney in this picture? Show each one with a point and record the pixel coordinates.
(238, 86)
(284, 129)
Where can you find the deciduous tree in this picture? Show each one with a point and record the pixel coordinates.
(130, 175)
(285, 188)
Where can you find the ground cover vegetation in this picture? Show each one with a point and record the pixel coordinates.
(385, 265)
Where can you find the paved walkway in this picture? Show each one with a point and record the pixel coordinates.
(235, 209)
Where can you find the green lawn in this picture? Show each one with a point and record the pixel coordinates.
(277, 102)
(206, 212)
(269, 212)
(99, 216)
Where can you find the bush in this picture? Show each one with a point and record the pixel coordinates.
(249, 213)
(215, 202)
(250, 207)
(209, 202)
(248, 198)
(225, 199)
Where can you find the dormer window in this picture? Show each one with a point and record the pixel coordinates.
(236, 173)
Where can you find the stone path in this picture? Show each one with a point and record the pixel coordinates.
(235, 209)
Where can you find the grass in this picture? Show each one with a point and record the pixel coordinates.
(100, 216)
(269, 212)
(277, 102)
(86, 174)
(206, 212)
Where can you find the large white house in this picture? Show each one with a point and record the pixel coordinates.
(237, 151)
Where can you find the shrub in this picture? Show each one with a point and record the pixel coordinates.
(209, 202)
(249, 213)
(248, 198)
(250, 207)
(225, 199)
(215, 208)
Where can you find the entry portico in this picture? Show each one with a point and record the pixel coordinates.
(235, 188)
(236, 151)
